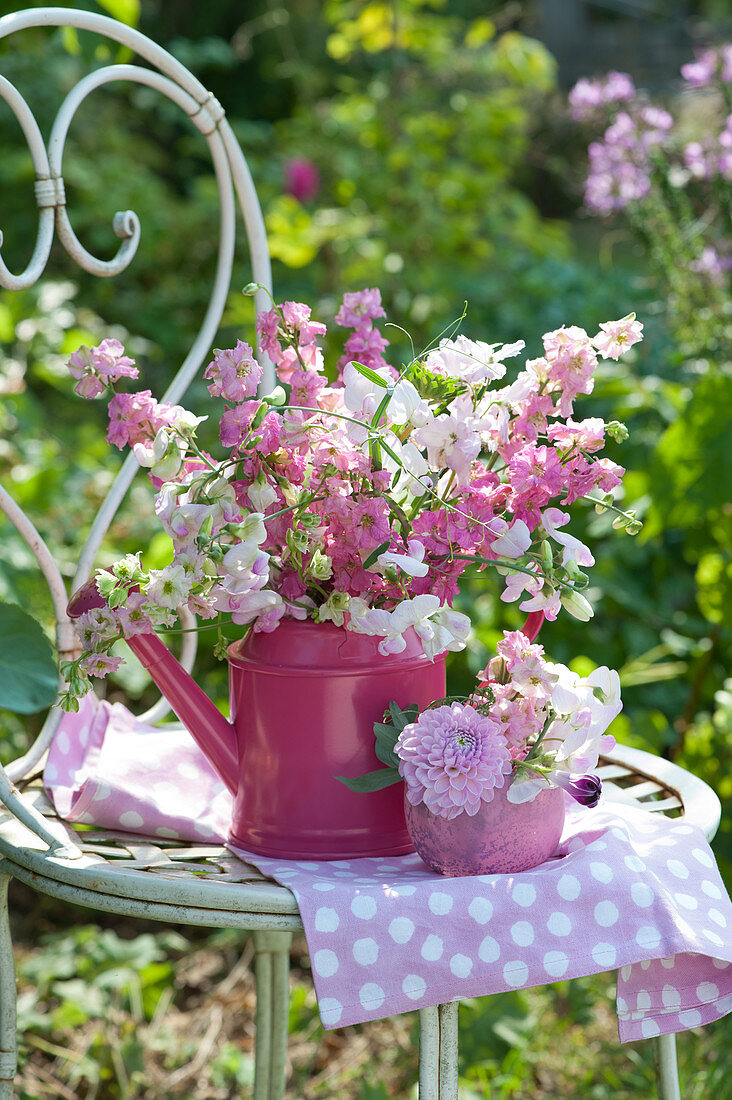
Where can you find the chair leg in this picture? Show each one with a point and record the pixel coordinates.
(667, 1072)
(271, 972)
(438, 1052)
(8, 1041)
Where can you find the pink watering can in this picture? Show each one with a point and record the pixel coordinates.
(303, 702)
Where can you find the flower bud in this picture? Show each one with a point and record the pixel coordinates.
(320, 566)
(576, 604)
(585, 789)
(617, 431)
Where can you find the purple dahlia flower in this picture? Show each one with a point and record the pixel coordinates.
(453, 759)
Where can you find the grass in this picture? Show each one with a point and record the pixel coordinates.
(131, 1009)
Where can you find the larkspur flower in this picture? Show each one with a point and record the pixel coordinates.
(453, 759)
(318, 512)
(616, 337)
(99, 367)
(235, 373)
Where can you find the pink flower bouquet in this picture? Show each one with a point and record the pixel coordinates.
(360, 495)
(531, 725)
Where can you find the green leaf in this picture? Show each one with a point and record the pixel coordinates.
(381, 409)
(371, 781)
(28, 674)
(398, 514)
(386, 739)
(371, 375)
(380, 549)
(402, 716)
(127, 11)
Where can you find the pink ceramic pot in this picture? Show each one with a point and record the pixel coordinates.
(501, 838)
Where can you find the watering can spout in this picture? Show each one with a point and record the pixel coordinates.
(208, 727)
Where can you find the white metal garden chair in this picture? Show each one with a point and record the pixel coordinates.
(170, 881)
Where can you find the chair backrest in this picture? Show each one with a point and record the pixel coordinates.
(166, 75)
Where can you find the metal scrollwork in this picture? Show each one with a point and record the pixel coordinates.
(167, 76)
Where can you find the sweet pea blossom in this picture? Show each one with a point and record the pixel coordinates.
(363, 396)
(471, 361)
(412, 562)
(452, 439)
(164, 456)
(572, 549)
(317, 511)
(513, 542)
(439, 628)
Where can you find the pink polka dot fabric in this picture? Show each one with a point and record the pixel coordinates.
(627, 890)
(105, 768)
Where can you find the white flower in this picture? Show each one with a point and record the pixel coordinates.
(334, 608)
(586, 706)
(320, 566)
(249, 606)
(362, 396)
(576, 604)
(471, 361)
(453, 439)
(541, 596)
(439, 628)
(169, 587)
(526, 787)
(261, 493)
(164, 457)
(252, 529)
(514, 542)
(574, 550)
(445, 630)
(185, 421)
(411, 469)
(245, 568)
(412, 562)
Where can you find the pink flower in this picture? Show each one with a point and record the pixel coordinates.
(360, 306)
(699, 73)
(98, 367)
(137, 418)
(586, 435)
(616, 337)
(572, 363)
(297, 321)
(236, 426)
(235, 373)
(100, 664)
(368, 522)
(268, 330)
(302, 179)
(366, 345)
(536, 475)
(453, 759)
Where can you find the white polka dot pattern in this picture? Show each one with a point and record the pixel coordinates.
(619, 901)
(628, 890)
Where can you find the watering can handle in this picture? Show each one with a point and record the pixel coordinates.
(533, 624)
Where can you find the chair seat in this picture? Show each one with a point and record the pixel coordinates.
(207, 885)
